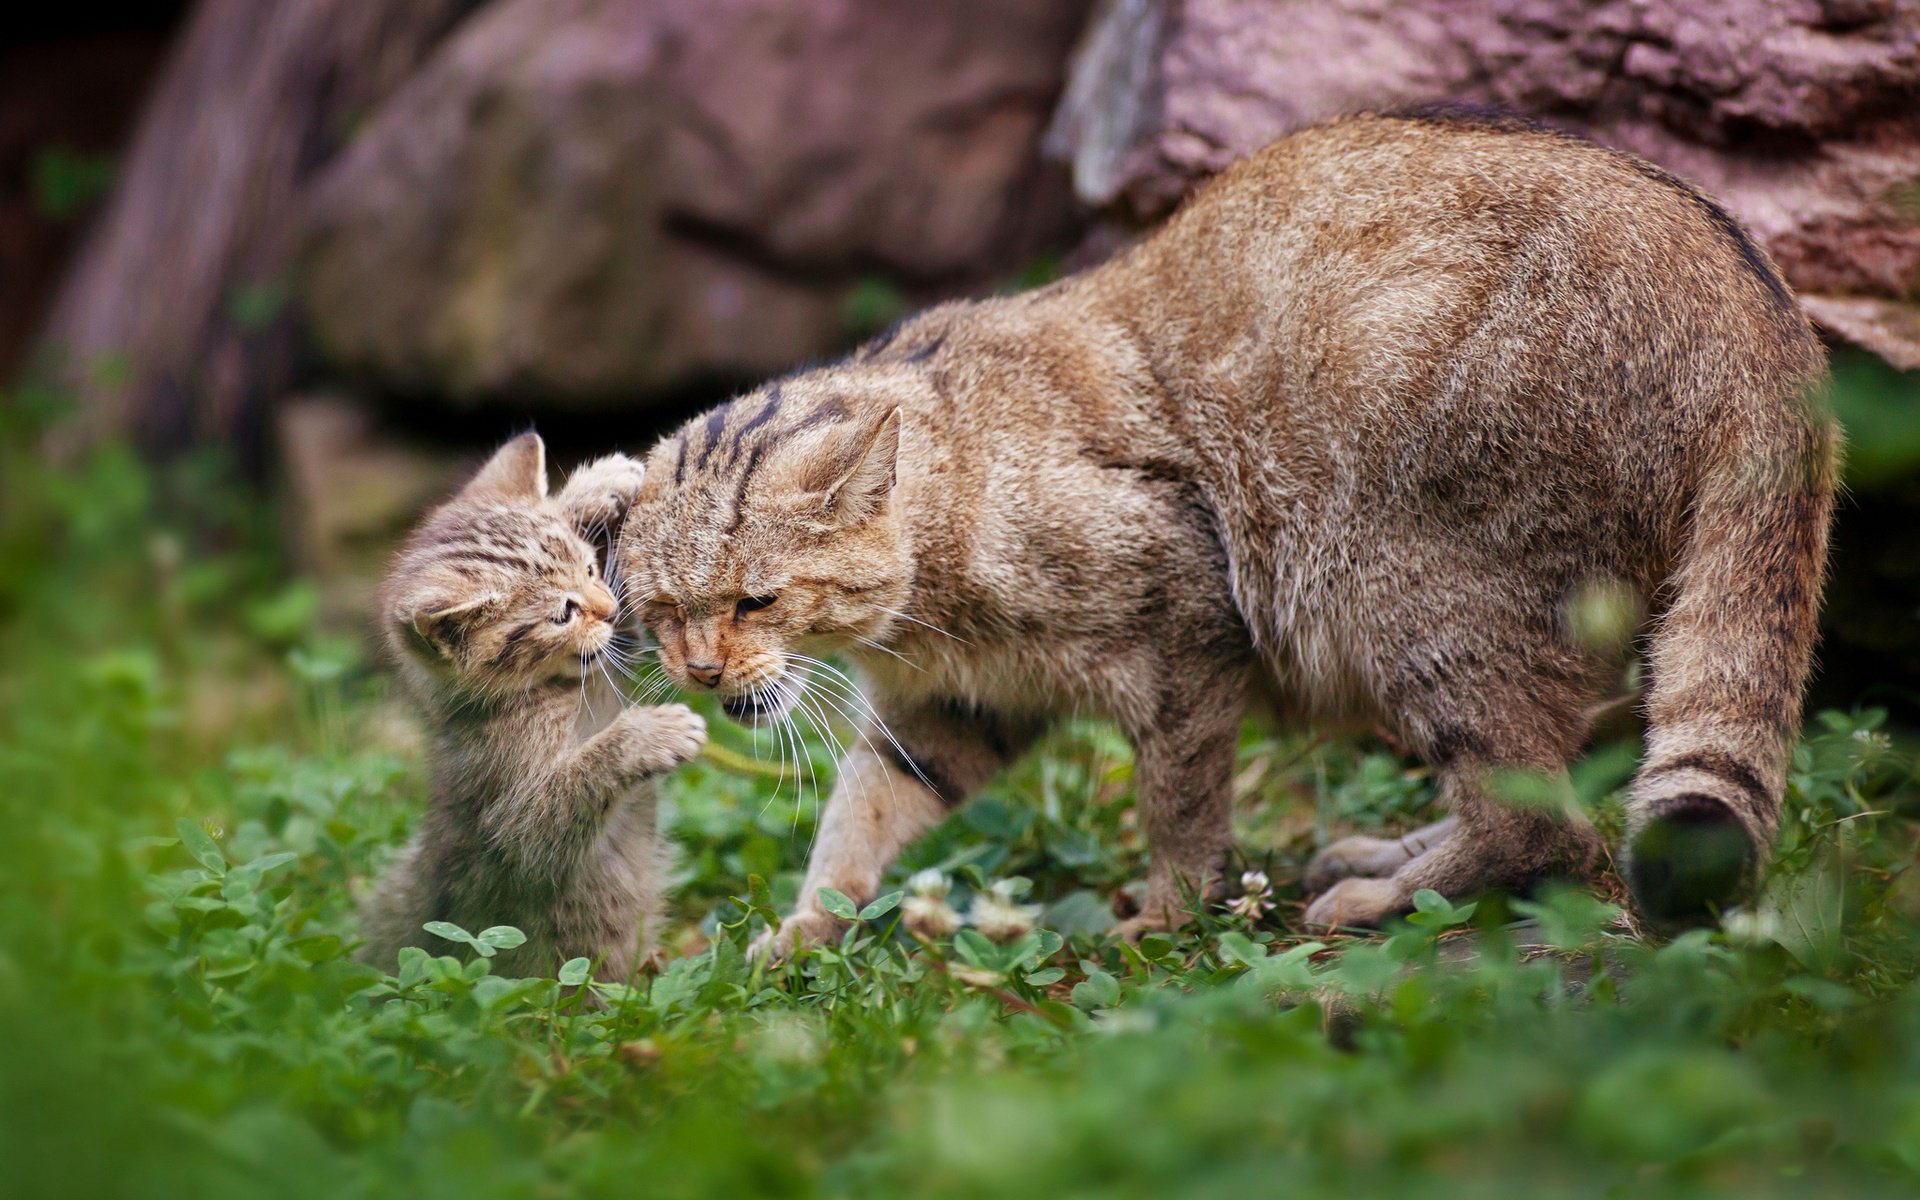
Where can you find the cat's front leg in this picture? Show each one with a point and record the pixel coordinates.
(598, 495)
(1183, 783)
(932, 759)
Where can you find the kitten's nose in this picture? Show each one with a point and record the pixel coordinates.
(600, 601)
(705, 673)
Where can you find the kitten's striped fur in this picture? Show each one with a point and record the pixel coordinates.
(1356, 427)
(542, 815)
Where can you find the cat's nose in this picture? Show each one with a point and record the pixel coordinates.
(600, 601)
(705, 673)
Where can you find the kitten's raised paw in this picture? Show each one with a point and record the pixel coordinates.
(1357, 902)
(663, 737)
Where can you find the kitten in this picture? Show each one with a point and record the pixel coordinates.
(542, 813)
(1358, 428)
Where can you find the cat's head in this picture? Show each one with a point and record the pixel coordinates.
(767, 531)
(495, 592)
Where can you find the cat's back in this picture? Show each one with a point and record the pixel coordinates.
(1375, 245)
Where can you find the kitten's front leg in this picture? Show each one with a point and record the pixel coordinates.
(597, 495)
(558, 814)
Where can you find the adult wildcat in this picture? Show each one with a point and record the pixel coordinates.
(542, 815)
(1359, 423)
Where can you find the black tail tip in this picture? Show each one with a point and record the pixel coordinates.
(1690, 862)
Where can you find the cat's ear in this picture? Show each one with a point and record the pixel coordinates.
(866, 482)
(441, 627)
(516, 474)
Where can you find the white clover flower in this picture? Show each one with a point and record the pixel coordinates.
(1256, 896)
(997, 914)
(1752, 928)
(929, 918)
(930, 883)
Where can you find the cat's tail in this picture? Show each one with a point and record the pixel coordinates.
(1728, 660)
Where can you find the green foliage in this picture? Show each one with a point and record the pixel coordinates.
(195, 783)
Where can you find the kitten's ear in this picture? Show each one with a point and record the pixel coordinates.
(441, 627)
(516, 474)
(865, 485)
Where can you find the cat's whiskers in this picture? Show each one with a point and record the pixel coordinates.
(917, 621)
(852, 695)
(867, 641)
(789, 702)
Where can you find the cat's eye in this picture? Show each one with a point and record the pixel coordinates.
(568, 613)
(753, 604)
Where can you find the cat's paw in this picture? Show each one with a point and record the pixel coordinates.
(1358, 902)
(1133, 929)
(1359, 856)
(662, 737)
(798, 930)
(598, 495)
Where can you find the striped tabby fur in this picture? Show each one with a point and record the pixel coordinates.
(1356, 429)
(542, 813)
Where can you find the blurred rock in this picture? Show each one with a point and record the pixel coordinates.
(170, 324)
(579, 200)
(1798, 114)
(352, 490)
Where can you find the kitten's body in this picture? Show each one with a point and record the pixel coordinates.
(543, 812)
(1361, 422)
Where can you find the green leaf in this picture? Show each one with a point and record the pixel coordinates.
(836, 902)
(759, 895)
(1046, 977)
(1100, 990)
(502, 937)
(453, 933)
(1237, 947)
(882, 906)
(574, 971)
(201, 846)
(973, 946)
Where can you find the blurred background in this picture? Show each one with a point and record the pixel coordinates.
(272, 274)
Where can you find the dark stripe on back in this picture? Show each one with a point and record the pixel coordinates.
(927, 351)
(1720, 765)
(716, 422)
(829, 412)
(740, 496)
(680, 462)
(760, 418)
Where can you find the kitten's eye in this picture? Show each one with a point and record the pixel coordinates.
(568, 613)
(753, 604)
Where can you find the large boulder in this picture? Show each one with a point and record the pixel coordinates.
(576, 201)
(1798, 114)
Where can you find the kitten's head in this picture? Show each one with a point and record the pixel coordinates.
(495, 592)
(767, 530)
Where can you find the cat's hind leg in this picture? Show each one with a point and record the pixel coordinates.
(1500, 713)
(1373, 857)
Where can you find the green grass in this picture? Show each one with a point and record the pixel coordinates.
(194, 781)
